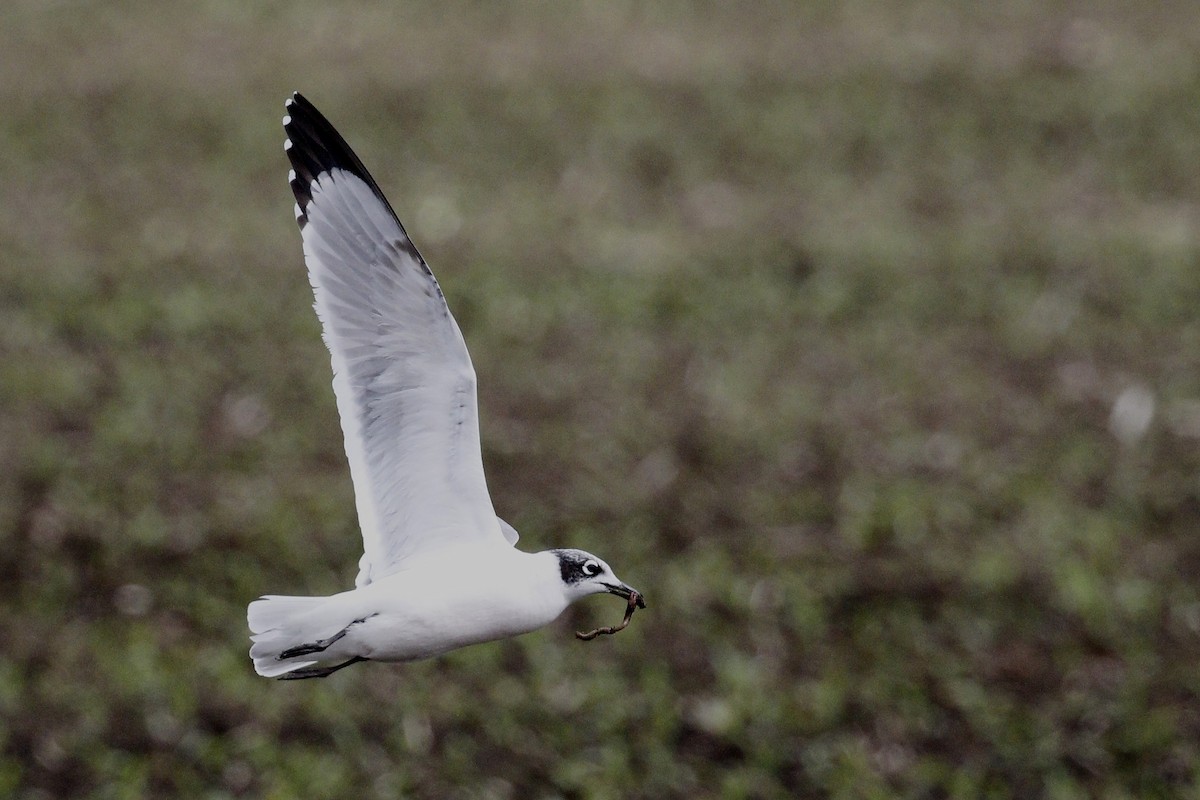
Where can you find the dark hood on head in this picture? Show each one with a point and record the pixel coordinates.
(570, 565)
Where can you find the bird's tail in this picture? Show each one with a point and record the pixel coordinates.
(280, 623)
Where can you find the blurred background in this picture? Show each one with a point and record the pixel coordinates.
(862, 337)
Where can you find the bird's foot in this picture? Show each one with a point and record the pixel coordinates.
(318, 672)
(312, 647)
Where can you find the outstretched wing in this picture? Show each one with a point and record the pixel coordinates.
(403, 379)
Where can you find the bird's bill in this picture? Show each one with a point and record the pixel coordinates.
(626, 591)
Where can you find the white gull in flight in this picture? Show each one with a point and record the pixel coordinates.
(439, 569)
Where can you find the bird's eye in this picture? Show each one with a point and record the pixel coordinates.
(591, 568)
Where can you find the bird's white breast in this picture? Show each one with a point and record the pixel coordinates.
(455, 598)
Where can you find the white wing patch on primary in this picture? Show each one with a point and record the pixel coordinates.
(403, 379)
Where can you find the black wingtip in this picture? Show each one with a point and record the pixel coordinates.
(314, 147)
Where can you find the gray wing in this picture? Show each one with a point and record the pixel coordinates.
(403, 380)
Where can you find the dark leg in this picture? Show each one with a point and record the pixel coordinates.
(318, 672)
(319, 645)
(311, 647)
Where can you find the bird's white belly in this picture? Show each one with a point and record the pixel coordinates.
(397, 636)
(418, 616)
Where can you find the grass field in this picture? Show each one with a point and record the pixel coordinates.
(864, 339)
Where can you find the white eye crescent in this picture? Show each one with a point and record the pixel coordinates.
(591, 569)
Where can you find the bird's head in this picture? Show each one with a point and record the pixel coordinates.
(584, 574)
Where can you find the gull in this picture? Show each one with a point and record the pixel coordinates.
(439, 569)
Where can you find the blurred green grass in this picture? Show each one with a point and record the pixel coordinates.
(863, 339)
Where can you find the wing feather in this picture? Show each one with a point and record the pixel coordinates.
(403, 379)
